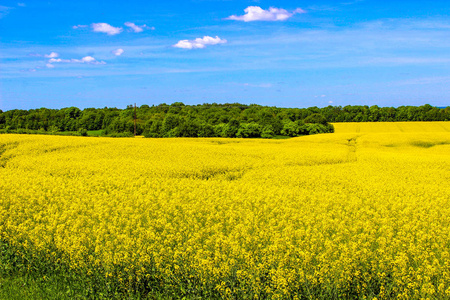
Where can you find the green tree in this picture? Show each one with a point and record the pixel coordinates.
(249, 130)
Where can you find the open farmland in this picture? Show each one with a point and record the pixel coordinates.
(361, 213)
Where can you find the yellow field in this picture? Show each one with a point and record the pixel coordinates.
(386, 127)
(362, 213)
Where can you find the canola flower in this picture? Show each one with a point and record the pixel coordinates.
(363, 213)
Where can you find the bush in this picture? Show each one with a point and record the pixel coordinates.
(316, 118)
(315, 128)
(121, 134)
(290, 128)
(230, 129)
(268, 132)
(249, 130)
(149, 134)
(82, 132)
(206, 130)
(218, 129)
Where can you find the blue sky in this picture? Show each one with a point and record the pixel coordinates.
(285, 53)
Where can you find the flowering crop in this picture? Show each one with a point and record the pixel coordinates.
(361, 213)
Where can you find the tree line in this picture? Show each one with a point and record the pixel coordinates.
(207, 120)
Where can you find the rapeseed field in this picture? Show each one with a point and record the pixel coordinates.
(363, 213)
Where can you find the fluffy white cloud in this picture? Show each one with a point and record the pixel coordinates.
(50, 66)
(106, 28)
(87, 59)
(199, 43)
(256, 13)
(52, 55)
(118, 52)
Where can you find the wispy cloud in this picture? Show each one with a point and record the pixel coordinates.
(256, 13)
(118, 52)
(138, 28)
(79, 26)
(85, 60)
(260, 85)
(106, 28)
(409, 60)
(21, 4)
(199, 43)
(4, 10)
(352, 2)
(425, 80)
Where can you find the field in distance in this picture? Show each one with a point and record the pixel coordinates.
(385, 127)
(363, 213)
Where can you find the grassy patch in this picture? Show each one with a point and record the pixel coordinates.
(26, 288)
(95, 132)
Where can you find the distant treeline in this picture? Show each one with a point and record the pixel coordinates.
(175, 120)
(207, 120)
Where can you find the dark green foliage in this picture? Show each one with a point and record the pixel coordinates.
(268, 132)
(206, 130)
(359, 113)
(82, 132)
(316, 128)
(249, 130)
(290, 128)
(207, 120)
(230, 129)
(315, 118)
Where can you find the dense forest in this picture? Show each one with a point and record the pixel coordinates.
(206, 120)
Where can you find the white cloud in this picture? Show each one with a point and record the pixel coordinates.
(330, 102)
(57, 60)
(79, 26)
(52, 55)
(134, 27)
(86, 59)
(50, 66)
(199, 43)
(106, 28)
(21, 4)
(256, 13)
(137, 28)
(118, 52)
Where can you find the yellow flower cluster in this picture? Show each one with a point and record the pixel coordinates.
(363, 213)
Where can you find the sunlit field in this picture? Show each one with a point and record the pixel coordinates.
(391, 127)
(363, 213)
